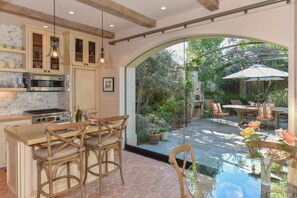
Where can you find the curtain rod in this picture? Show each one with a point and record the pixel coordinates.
(198, 20)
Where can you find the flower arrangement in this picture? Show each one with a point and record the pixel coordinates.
(275, 151)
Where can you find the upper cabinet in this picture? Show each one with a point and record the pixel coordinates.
(38, 45)
(83, 49)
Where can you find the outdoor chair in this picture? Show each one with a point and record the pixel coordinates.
(217, 111)
(265, 113)
(184, 148)
(236, 102)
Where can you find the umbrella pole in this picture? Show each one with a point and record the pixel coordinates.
(258, 98)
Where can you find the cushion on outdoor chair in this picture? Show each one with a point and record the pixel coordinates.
(265, 112)
(222, 114)
(216, 108)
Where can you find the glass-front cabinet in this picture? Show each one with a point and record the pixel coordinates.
(85, 51)
(38, 48)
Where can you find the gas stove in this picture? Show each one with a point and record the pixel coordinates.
(48, 115)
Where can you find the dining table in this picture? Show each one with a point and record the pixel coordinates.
(243, 110)
(236, 175)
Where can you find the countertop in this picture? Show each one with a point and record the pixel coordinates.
(10, 118)
(35, 134)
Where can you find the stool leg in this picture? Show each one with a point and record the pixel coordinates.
(50, 180)
(106, 162)
(68, 174)
(100, 153)
(81, 174)
(86, 165)
(38, 180)
(120, 162)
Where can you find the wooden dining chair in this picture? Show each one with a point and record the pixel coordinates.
(186, 149)
(58, 153)
(109, 137)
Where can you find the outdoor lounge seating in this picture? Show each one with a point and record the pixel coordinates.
(217, 111)
(265, 113)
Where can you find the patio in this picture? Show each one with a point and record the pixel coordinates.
(210, 137)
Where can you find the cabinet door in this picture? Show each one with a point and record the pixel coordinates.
(3, 138)
(79, 51)
(37, 52)
(92, 53)
(86, 89)
(54, 65)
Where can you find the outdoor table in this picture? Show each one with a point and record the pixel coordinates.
(242, 109)
(232, 175)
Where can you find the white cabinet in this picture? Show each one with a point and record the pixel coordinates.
(84, 49)
(3, 137)
(85, 89)
(38, 45)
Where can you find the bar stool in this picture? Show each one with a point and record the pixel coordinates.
(109, 136)
(60, 151)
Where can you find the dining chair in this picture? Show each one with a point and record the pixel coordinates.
(217, 111)
(186, 149)
(58, 153)
(265, 113)
(108, 137)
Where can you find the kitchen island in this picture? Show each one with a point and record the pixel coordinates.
(21, 168)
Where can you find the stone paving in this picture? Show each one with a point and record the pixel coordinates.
(210, 137)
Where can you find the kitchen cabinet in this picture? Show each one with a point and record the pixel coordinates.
(84, 49)
(38, 45)
(85, 89)
(18, 67)
(3, 137)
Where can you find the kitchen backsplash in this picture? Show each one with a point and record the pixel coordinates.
(17, 102)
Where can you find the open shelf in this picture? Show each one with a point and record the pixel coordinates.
(12, 89)
(9, 50)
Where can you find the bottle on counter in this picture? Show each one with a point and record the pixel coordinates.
(78, 115)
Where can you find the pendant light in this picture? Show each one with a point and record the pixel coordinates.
(54, 53)
(102, 49)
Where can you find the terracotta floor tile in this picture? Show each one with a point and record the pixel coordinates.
(144, 178)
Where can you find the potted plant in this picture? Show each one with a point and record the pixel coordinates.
(154, 124)
(164, 133)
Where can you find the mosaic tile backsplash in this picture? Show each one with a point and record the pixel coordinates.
(17, 102)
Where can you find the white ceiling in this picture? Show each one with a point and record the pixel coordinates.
(91, 16)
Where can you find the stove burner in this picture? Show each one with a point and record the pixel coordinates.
(44, 111)
(48, 115)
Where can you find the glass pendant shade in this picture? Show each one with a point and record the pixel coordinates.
(102, 55)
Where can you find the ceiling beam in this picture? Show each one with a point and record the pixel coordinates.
(40, 16)
(123, 12)
(211, 5)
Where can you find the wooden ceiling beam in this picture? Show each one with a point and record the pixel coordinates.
(211, 5)
(123, 12)
(40, 16)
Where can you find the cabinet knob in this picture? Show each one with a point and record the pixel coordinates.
(44, 71)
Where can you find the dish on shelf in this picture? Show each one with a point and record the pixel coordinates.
(2, 45)
(2, 64)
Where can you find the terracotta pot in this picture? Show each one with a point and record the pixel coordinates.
(154, 137)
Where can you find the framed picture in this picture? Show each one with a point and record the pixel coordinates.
(108, 84)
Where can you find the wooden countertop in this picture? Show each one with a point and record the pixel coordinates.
(10, 118)
(35, 133)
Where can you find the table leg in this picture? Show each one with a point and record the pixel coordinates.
(276, 120)
(240, 117)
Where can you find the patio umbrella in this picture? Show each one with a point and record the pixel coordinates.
(258, 73)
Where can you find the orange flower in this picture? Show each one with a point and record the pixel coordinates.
(288, 137)
(246, 133)
(254, 124)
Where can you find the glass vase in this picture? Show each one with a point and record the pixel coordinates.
(265, 172)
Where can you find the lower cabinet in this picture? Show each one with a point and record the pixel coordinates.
(3, 146)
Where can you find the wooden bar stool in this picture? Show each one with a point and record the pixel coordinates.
(58, 152)
(108, 137)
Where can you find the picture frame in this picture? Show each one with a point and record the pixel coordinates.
(108, 84)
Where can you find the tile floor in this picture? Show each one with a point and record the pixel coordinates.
(144, 178)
